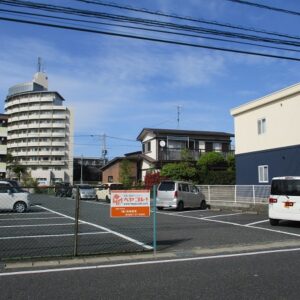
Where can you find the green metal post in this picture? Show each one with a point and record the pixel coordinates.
(154, 219)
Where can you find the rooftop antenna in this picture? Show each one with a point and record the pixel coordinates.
(178, 115)
(39, 66)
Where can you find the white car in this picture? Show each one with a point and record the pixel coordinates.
(104, 190)
(12, 198)
(284, 201)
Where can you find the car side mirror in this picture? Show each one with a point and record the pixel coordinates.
(9, 191)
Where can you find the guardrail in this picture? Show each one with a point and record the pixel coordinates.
(252, 194)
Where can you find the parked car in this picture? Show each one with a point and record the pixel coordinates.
(63, 189)
(15, 184)
(85, 192)
(178, 195)
(104, 190)
(12, 198)
(284, 201)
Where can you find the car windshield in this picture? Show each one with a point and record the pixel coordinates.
(85, 187)
(285, 187)
(167, 186)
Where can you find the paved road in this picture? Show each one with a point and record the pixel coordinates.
(201, 255)
(258, 276)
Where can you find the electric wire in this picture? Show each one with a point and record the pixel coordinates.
(141, 28)
(145, 22)
(259, 5)
(186, 18)
(144, 38)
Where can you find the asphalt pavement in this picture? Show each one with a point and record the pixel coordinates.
(201, 254)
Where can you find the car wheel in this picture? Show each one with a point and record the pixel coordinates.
(203, 204)
(159, 208)
(107, 199)
(180, 206)
(20, 207)
(274, 222)
(96, 198)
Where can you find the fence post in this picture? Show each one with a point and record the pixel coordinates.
(76, 222)
(154, 220)
(235, 193)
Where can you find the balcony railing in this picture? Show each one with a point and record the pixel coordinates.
(177, 154)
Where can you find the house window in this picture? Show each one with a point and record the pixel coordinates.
(261, 126)
(110, 178)
(202, 146)
(263, 174)
(217, 147)
(147, 147)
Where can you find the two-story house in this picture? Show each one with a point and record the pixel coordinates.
(267, 139)
(161, 146)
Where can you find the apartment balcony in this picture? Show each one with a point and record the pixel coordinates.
(58, 134)
(59, 116)
(58, 144)
(176, 154)
(37, 163)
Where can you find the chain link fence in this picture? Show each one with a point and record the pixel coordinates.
(55, 226)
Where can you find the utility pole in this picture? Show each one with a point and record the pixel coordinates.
(81, 166)
(104, 149)
(178, 115)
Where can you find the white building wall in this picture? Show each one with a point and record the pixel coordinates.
(149, 137)
(281, 112)
(39, 127)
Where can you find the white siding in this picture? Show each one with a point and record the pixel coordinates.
(282, 125)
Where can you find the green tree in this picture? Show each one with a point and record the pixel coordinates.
(210, 161)
(231, 162)
(179, 171)
(14, 166)
(126, 173)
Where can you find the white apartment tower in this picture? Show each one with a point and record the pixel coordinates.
(40, 130)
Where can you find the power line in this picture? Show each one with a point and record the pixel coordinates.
(144, 22)
(282, 10)
(187, 18)
(150, 39)
(144, 29)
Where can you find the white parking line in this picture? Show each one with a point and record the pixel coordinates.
(223, 215)
(149, 262)
(37, 225)
(27, 213)
(258, 222)
(234, 224)
(103, 228)
(26, 219)
(48, 235)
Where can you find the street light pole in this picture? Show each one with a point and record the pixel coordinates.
(81, 169)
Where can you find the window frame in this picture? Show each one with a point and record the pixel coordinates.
(261, 126)
(263, 173)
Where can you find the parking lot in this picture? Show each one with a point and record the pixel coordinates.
(47, 230)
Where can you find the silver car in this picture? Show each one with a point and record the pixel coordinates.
(85, 192)
(179, 194)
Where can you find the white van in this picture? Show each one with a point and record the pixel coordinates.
(12, 198)
(179, 194)
(284, 201)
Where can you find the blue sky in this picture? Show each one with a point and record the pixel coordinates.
(118, 86)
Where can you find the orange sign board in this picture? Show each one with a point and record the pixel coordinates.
(130, 203)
